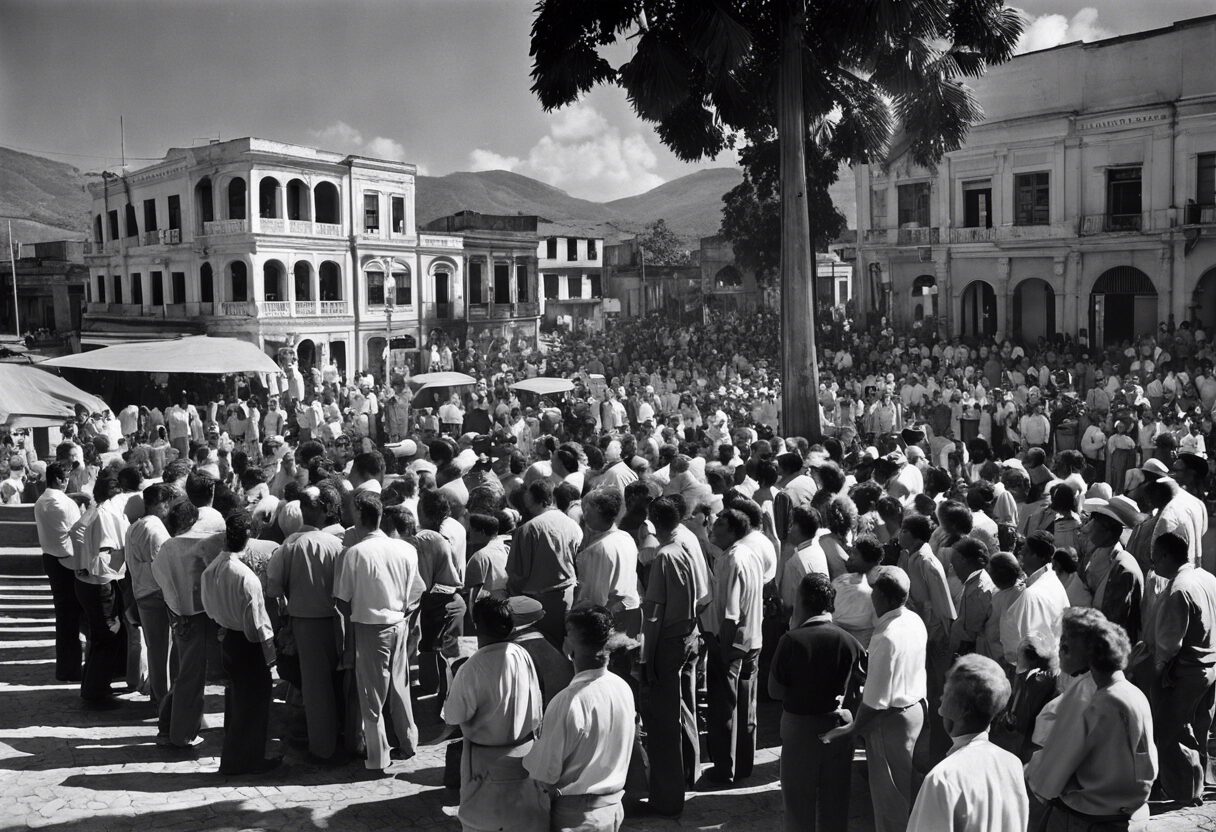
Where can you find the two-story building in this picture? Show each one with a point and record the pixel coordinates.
(498, 297)
(1085, 199)
(279, 244)
(572, 281)
(51, 280)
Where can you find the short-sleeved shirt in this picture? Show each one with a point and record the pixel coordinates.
(739, 594)
(378, 577)
(896, 677)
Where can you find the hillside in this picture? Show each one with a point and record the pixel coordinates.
(47, 200)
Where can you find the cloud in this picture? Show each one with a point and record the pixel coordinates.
(1048, 30)
(344, 138)
(583, 154)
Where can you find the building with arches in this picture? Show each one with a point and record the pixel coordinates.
(1085, 200)
(275, 243)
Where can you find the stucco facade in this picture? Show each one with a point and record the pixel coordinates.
(1084, 200)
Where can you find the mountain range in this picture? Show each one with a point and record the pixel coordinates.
(48, 200)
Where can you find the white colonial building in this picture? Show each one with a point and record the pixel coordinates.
(572, 274)
(1086, 199)
(275, 243)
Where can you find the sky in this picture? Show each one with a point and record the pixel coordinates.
(440, 83)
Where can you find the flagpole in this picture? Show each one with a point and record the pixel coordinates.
(13, 263)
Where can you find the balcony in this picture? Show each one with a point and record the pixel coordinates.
(918, 236)
(299, 227)
(875, 236)
(973, 235)
(272, 225)
(275, 309)
(335, 307)
(150, 238)
(326, 229)
(1110, 224)
(500, 311)
(237, 309)
(218, 228)
(1200, 215)
(304, 308)
(440, 311)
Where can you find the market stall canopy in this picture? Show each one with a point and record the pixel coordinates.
(193, 354)
(30, 398)
(543, 386)
(426, 381)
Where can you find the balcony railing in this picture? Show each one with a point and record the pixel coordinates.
(499, 311)
(1200, 215)
(973, 235)
(876, 236)
(272, 225)
(150, 238)
(335, 307)
(237, 309)
(326, 229)
(1111, 224)
(305, 308)
(299, 227)
(440, 311)
(220, 227)
(171, 236)
(917, 236)
(275, 309)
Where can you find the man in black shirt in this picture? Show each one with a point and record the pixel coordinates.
(817, 673)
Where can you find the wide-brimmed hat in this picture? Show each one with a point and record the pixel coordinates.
(1122, 510)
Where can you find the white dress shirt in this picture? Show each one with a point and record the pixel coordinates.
(55, 513)
(103, 544)
(586, 738)
(144, 539)
(495, 696)
(896, 676)
(378, 577)
(808, 557)
(607, 570)
(1039, 609)
(233, 598)
(978, 786)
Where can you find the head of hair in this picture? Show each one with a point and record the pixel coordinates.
(236, 529)
(540, 492)
(1105, 642)
(748, 507)
(807, 520)
(955, 516)
(841, 515)
(816, 593)
(789, 463)
(889, 508)
(972, 551)
(868, 549)
(1064, 497)
(369, 465)
(980, 687)
(766, 473)
(105, 487)
(1041, 544)
(1004, 569)
(565, 494)
(508, 519)
(200, 488)
(664, 514)
(736, 521)
(866, 496)
(159, 493)
(368, 509)
(980, 496)
(401, 519)
(129, 478)
(183, 514)
(919, 526)
(57, 474)
(1066, 560)
(435, 505)
(492, 615)
(591, 627)
(605, 502)
(176, 470)
(892, 583)
(1174, 546)
(484, 524)
(830, 477)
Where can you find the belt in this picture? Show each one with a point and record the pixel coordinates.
(1058, 803)
(589, 801)
(524, 739)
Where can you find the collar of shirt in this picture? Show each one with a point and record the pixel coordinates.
(888, 618)
(593, 673)
(1037, 574)
(963, 740)
(822, 618)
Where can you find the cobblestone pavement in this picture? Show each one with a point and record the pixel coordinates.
(70, 770)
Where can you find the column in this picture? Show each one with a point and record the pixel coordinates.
(1064, 296)
(1179, 298)
(251, 200)
(1076, 302)
(943, 304)
(1003, 298)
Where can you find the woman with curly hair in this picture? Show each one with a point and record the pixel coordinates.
(840, 517)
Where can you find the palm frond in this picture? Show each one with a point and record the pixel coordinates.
(720, 41)
(988, 27)
(656, 79)
(692, 132)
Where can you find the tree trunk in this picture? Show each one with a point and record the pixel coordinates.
(799, 365)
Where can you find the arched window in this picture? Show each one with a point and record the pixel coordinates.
(203, 204)
(299, 200)
(206, 284)
(326, 197)
(236, 199)
(273, 288)
(302, 274)
(728, 277)
(405, 288)
(238, 281)
(132, 225)
(268, 198)
(331, 281)
(97, 238)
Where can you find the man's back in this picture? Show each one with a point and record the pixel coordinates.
(303, 569)
(379, 578)
(542, 553)
(1186, 618)
(817, 663)
(978, 786)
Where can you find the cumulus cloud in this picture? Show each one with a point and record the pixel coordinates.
(583, 154)
(1048, 30)
(343, 137)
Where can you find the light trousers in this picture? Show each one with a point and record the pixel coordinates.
(891, 746)
(382, 676)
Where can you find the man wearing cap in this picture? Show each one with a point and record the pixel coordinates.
(496, 701)
(1111, 572)
(541, 563)
(553, 669)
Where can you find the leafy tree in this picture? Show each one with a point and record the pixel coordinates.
(662, 247)
(706, 72)
(751, 212)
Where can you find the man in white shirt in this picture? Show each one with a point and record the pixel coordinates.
(377, 585)
(733, 642)
(979, 785)
(808, 556)
(587, 736)
(496, 700)
(144, 540)
(1039, 609)
(607, 563)
(232, 597)
(99, 568)
(893, 707)
(54, 514)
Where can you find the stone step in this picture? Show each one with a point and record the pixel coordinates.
(27, 632)
(9, 622)
(21, 559)
(18, 534)
(14, 611)
(28, 596)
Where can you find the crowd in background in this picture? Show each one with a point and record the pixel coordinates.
(993, 570)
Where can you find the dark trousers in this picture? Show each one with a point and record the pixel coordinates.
(815, 778)
(246, 705)
(441, 621)
(320, 681)
(102, 610)
(181, 711)
(1182, 721)
(732, 710)
(68, 655)
(672, 740)
(556, 604)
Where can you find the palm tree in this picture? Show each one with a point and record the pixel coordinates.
(708, 73)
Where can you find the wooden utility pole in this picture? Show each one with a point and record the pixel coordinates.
(799, 363)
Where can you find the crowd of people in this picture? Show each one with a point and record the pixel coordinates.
(993, 570)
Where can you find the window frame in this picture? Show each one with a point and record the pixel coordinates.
(1028, 214)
